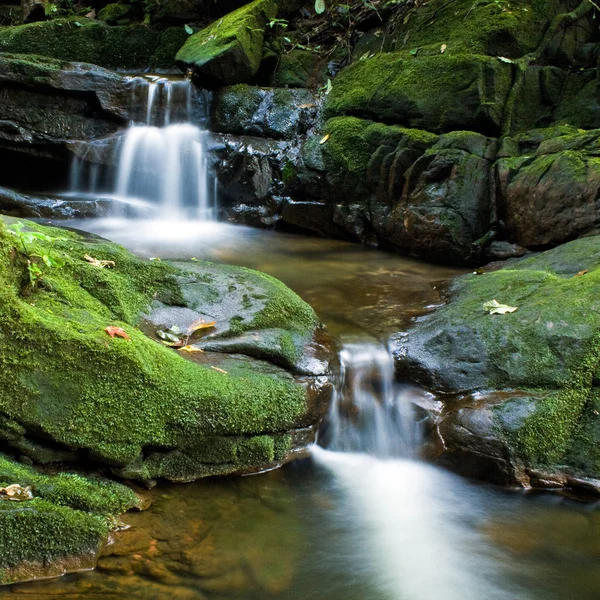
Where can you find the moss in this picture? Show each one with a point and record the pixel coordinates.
(86, 40)
(58, 361)
(437, 93)
(69, 515)
(509, 28)
(115, 12)
(298, 68)
(230, 50)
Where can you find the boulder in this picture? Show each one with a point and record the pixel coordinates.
(59, 525)
(550, 189)
(436, 93)
(251, 401)
(117, 13)
(229, 50)
(86, 40)
(519, 387)
(263, 112)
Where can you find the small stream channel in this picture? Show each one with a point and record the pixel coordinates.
(363, 520)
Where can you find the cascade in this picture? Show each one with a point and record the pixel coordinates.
(158, 167)
(370, 412)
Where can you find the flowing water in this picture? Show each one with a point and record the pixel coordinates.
(158, 167)
(362, 519)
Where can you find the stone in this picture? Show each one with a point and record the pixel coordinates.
(530, 375)
(263, 112)
(436, 93)
(229, 50)
(87, 40)
(253, 400)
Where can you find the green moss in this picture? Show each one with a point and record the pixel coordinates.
(436, 93)
(69, 515)
(60, 370)
(115, 12)
(509, 28)
(230, 49)
(86, 40)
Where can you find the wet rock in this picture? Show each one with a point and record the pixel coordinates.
(166, 413)
(230, 50)
(27, 206)
(263, 112)
(546, 349)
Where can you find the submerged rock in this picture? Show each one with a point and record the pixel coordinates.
(62, 527)
(520, 387)
(131, 403)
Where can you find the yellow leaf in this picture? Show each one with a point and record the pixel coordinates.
(325, 138)
(217, 369)
(495, 308)
(443, 48)
(191, 348)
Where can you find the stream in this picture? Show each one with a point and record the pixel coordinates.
(363, 519)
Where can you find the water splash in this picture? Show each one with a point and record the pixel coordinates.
(158, 167)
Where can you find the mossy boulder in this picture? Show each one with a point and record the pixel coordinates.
(147, 410)
(229, 50)
(117, 13)
(298, 68)
(86, 40)
(549, 187)
(436, 93)
(62, 527)
(519, 386)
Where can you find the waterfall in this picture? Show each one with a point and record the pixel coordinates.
(414, 531)
(159, 166)
(370, 412)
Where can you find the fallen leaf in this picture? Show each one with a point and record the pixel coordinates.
(177, 344)
(154, 258)
(217, 369)
(16, 493)
(495, 308)
(443, 48)
(581, 273)
(117, 332)
(167, 336)
(191, 348)
(506, 60)
(307, 106)
(99, 263)
(200, 324)
(479, 271)
(325, 138)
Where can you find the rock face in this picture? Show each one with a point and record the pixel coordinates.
(47, 102)
(230, 50)
(520, 387)
(250, 401)
(59, 524)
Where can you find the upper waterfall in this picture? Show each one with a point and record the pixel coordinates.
(158, 167)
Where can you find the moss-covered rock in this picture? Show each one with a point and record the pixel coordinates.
(542, 361)
(144, 409)
(86, 40)
(117, 13)
(298, 68)
(230, 50)
(62, 527)
(437, 93)
(549, 187)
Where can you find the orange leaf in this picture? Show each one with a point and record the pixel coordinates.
(200, 324)
(117, 332)
(581, 273)
(191, 349)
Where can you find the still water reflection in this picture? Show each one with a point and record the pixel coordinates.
(339, 526)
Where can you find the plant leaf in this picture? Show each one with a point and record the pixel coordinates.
(495, 308)
(117, 332)
(200, 324)
(581, 273)
(188, 30)
(191, 348)
(217, 369)
(325, 138)
(16, 492)
(319, 6)
(99, 263)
